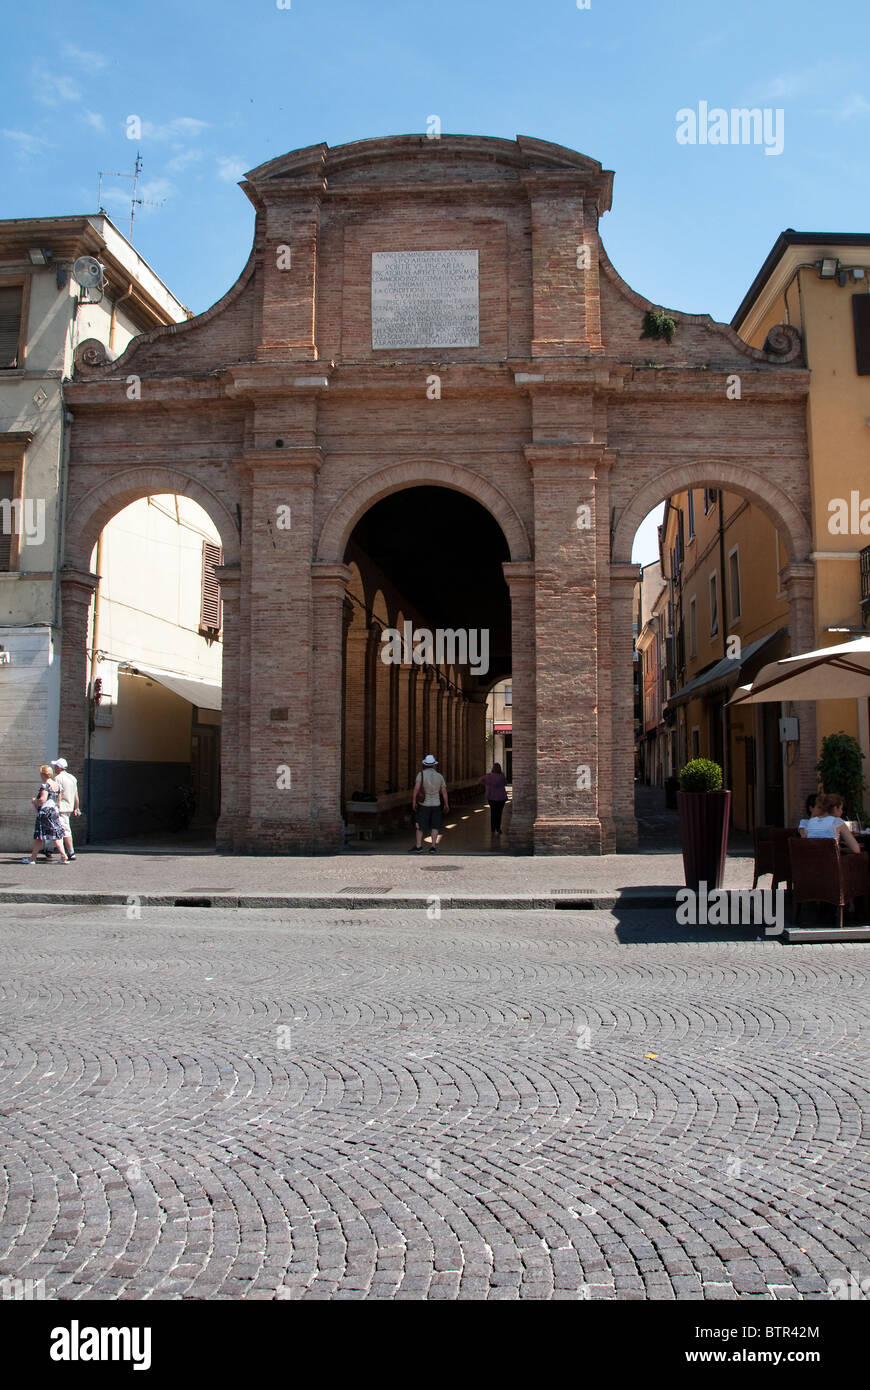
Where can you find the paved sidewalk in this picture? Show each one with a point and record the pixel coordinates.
(392, 879)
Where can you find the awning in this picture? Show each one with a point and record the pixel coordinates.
(831, 673)
(502, 728)
(725, 674)
(200, 693)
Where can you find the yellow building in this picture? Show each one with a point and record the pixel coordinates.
(819, 283)
(721, 559)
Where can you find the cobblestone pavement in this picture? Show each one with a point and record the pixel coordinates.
(214, 1104)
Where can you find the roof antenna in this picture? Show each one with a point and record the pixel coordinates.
(134, 201)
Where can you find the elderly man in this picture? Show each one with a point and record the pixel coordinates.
(67, 801)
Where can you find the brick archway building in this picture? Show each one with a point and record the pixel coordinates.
(548, 401)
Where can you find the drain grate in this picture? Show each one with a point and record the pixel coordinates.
(441, 868)
(367, 888)
(192, 902)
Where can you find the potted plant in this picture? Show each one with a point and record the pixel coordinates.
(840, 770)
(704, 813)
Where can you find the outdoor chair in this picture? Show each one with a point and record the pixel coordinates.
(763, 852)
(821, 874)
(780, 840)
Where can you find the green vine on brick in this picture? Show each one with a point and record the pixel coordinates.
(658, 324)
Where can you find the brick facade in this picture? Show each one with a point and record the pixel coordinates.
(276, 398)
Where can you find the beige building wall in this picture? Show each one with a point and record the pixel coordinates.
(33, 445)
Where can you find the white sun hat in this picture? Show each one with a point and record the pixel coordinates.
(59, 762)
(429, 761)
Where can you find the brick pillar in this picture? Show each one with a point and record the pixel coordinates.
(620, 711)
(231, 755)
(77, 590)
(288, 319)
(477, 735)
(284, 679)
(563, 293)
(354, 701)
(328, 590)
(798, 580)
(413, 718)
(372, 713)
(566, 644)
(520, 577)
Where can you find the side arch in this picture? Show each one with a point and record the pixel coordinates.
(347, 511)
(784, 514)
(91, 513)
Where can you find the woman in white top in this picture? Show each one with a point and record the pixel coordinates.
(826, 823)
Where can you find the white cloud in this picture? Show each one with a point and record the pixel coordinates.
(231, 168)
(851, 108)
(789, 86)
(181, 128)
(88, 57)
(180, 161)
(51, 88)
(25, 144)
(93, 118)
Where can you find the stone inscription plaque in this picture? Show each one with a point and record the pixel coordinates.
(425, 299)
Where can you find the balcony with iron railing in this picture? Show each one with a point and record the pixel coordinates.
(864, 557)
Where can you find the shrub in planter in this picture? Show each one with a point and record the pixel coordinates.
(840, 770)
(704, 811)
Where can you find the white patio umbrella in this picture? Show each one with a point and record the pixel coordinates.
(832, 673)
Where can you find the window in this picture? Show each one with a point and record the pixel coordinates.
(8, 518)
(11, 298)
(696, 743)
(210, 610)
(711, 497)
(861, 313)
(734, 581)
(693, 627)
(714, 604)
(691, 510)
(508, 696)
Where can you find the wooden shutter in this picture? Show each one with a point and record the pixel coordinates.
(10, 324)
(210, 611)
(861, 312)
(7, 493)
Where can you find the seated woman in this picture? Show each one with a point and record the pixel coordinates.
(826, 823)
(811, 803)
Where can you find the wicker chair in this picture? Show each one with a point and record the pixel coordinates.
(780, 840)
(821, 874)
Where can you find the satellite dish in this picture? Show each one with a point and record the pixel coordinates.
(88, 272)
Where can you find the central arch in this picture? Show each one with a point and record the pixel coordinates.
(352, 505)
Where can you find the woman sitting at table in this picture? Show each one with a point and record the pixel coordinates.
(826, 823)
(811, 804)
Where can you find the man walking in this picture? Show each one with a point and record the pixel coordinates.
(67, 801)
(429, 789)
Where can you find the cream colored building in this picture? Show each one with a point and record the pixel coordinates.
(155, 670)
(46, 318)
(820, 283)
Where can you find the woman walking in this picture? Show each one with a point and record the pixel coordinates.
(48, 823)
(496, 795)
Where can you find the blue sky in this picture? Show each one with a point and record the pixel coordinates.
(221, 87)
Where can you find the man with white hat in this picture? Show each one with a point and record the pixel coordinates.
(67, 801)
(429, 789)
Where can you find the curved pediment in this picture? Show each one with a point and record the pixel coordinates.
(408, 161)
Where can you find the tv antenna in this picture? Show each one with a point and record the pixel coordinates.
(134, 201)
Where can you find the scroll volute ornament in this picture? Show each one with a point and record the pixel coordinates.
(784, 343)
(90, 356)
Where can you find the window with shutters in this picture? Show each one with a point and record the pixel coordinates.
(8, 518)
(11, 297)
(861, 313)
(210, 609)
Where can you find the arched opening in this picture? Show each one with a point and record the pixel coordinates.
(717, 599)
(154, 638)
(427, 632)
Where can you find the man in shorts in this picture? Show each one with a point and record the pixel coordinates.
(67, 801)
(426, 798)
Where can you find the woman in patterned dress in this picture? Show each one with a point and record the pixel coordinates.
(48, 826)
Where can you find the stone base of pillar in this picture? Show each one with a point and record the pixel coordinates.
(521, 836)
(572, 835)
(266, 836)
(624, 837)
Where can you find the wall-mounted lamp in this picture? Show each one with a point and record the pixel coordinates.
(828, 267)
(38, 256)
(5, 657)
